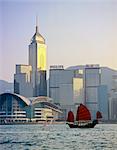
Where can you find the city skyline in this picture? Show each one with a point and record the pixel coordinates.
(76, 33)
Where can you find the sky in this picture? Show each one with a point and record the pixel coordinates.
(77, 32)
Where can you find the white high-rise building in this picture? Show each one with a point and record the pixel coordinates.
(109, 78)
(30, 80)
(61, 85)
(22, 80)
(88, 84)
(37, 59)
(113, 100)
(92, 82)
(66, 85)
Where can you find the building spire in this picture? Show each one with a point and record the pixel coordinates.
(36, 24)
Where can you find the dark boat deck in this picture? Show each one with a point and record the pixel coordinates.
(88, 125)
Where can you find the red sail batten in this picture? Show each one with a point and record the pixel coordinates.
(70, 117)
(83, 113)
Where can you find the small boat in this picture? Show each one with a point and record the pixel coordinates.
(83, 118)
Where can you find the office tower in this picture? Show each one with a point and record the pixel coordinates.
(60, 85)
(37, 59)
(113, 100)
(30, 80)
(109, 78)
(78, 87)
(103, 101)
(22, 80)
(92, 83)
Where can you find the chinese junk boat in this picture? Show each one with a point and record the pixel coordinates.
(83, 118)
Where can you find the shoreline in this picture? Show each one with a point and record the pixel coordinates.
(30, 123)
(49, 123)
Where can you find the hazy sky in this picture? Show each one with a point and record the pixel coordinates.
(77, 32)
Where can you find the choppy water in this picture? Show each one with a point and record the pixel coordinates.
(58, 137)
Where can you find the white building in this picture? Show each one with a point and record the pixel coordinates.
(61, 85)
(66, 88)
(92, 82)
(22, 80)
(88, 84)
(113, 100)
(113, 106)
(15, 108)
(109, 78)
(108, 82)
(37, 59)
(103, 104)
(30, 80)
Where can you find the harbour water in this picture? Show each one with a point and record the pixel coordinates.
(57, 137)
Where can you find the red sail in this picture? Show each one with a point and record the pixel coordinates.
(83, 113)
(98, 115)
(70, 117)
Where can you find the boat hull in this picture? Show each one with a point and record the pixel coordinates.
(88, 125)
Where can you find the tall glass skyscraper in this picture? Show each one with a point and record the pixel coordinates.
(36, 84)
(92, 83)
(37, 59)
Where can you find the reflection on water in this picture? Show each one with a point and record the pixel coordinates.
(57, 137)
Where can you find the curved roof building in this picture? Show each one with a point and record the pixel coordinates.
(4, 96)
(45, 102)
(17, 108)
(12, 107)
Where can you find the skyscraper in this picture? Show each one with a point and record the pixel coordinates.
(37, 59)
(36, 83)
(92, 83)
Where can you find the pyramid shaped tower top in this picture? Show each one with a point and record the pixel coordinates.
(37, 37)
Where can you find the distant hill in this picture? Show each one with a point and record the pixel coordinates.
(6, 86)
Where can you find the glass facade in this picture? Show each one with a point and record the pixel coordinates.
(61, 86)
(37, 59)
(92, 77)
(78, 90)
(41, 56)
(103, 101)
(92, 82)
(92, 95)
(30, 80)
